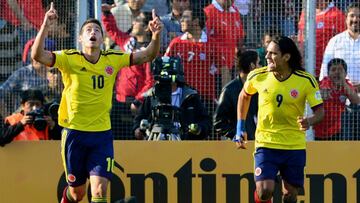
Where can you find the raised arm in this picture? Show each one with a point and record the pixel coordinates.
(152, 50)
(38, 53)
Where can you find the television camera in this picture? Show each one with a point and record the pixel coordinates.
(165, 118)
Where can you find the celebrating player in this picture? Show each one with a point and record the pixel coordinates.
(283, 87)
(88, 77)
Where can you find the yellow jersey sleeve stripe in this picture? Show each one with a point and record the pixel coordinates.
(307, 74)
(312, 82)
(255, 74)
(72, 52)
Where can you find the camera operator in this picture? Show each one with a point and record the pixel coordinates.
(30, 123)
(189, 116)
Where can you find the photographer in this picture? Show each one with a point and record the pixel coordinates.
(30, 123)
(188, 116)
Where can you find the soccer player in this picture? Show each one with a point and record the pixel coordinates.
(283, 87)
(88, 77)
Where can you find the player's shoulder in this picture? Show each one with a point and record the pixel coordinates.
(307, 77)
(257, 72)
(112, 52)
(71, 52)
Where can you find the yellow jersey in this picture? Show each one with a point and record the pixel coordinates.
(88, 88)
(280, 103)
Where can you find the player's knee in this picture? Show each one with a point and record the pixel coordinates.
(77, 194)
(289, 198)
(264, 194)
(99, 190)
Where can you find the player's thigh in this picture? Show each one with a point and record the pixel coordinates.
(293, 168)
(101, 161)
(266, 164)
(74, 157)
(267, 186)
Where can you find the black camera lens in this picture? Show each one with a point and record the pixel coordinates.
(39, 123)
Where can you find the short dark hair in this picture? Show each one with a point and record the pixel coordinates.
(32, 94)
(245, 59)
(288, 46)
(199, 14)
(337, 61)
(92, 20)
(351, 6)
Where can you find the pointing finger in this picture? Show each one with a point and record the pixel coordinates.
(52, 6)
(153, 14)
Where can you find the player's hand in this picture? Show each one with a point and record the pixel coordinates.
(240, 137)
(107, 7)
(50, 16)
(303, 122)
(155, 24)
(240, 141)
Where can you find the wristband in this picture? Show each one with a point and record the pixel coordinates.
(240, 129)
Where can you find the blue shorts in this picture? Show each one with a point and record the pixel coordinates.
(86, 154)
(290, 164)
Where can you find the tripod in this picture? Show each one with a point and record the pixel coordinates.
(160, 132)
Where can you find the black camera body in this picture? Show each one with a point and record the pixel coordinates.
(50, 109)
(166, 70)
(39, 121)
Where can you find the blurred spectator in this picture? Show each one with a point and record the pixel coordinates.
(199, 4)
(189, 118)
(244, 6)
(335, 89)
(27, 77)
(132, 82)
(346, 45)
(172, 27)
(26, 15)
(329, 22)
(10, 49)
(266, 39)
(30, 123)
(161, 6)
(225, 116)
(195, 51)
(280, 14)
(225, 27)
(126, 13)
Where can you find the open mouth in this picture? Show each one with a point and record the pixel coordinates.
(93, 38)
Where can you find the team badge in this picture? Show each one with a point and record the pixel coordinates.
(294, 93)
(71, 178)
(258, 171)
(109, 70)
